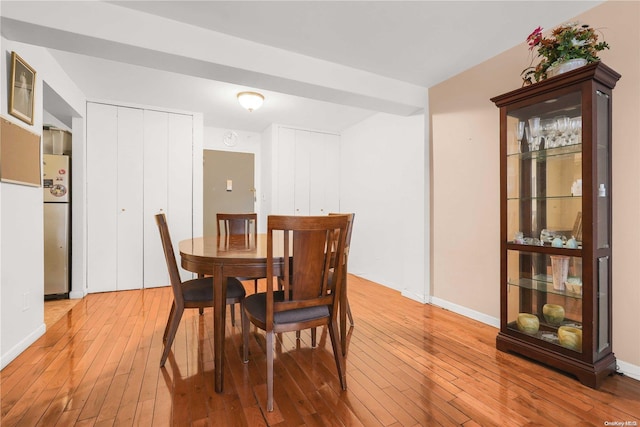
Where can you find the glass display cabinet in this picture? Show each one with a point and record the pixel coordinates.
(555, 172)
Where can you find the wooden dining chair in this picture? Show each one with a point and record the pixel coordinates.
(347, 246)
(235, 224)
(304, 299)
(239, 225)
(194, 293)
(346, 306)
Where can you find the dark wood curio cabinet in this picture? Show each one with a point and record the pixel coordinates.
(555, 173)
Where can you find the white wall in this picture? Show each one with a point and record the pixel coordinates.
(21, 221)
(466, 158)
(383, 182)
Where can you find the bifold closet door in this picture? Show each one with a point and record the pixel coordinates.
(130, 198)
(180, 183)
(102, 197)
(168, 174)
(285, 172)
(306, 171)
(114, 198)
(324, 170)
(156, 175)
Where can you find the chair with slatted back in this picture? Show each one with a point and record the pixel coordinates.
(347, 308)
(346, 251)
(239, 228)
(304, 299)
(194, 293)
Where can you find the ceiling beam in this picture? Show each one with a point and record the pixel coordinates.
(142, 39)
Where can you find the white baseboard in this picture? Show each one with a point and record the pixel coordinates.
(466, 312)
(14, 352)
(76, 295)
(628, 369)
(632, 371)
(414, 296)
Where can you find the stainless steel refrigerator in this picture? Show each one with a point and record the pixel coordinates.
(57, 224)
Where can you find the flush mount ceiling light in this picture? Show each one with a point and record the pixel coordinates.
(250, 100)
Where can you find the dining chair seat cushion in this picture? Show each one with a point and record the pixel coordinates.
(202, 289)
(256, 304)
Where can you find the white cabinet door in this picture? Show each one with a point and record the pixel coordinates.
(285, 172)
(102, 202)
(306, 171)
(302, 165)
(180, 183)
(139, 163)
(130, 198)
(321, 173)
(331, 181)
(156, 143)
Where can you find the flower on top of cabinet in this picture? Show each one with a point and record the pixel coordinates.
(570, 41)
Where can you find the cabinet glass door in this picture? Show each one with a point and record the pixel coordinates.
(602, 209)
(544, 221)
(544, 297)
(544, 172)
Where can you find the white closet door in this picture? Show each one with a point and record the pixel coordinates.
(332, 177)
(324, 179)
(180, 182)
(286, 172)
(156, 143)
(319, 170)
(102, 202)
(130, 198)
(302, 164)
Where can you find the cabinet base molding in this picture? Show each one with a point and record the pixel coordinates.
(591, 375)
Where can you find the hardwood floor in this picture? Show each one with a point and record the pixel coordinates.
(408, 364)
(56, 309)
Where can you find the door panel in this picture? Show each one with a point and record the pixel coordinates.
(302, 165)
(102, 202)
(180, 182)
(319, 168)
(286, 173)
(332, 174)
(156, 142)
(130, 198)
(219, 167)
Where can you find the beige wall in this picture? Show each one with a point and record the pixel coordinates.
(465, 177)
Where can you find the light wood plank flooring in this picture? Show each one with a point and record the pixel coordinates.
(408, 364)
(56, 309)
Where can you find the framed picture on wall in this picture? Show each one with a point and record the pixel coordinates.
(21, 95)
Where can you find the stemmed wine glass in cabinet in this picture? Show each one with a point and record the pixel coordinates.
(520, 134)
(562, 131)
(533, 135)
(575, 126)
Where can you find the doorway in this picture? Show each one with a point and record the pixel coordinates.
(228, 185)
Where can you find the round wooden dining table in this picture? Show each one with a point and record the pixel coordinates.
(234, 256)
(223, 257)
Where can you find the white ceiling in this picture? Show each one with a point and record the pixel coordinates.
(419, 43)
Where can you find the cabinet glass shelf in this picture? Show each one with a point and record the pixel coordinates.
(548, 152)
(543, 284)
(543, 197)
(549, 333)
